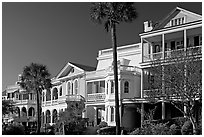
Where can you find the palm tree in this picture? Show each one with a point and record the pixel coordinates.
(110, 14)
(36, 78)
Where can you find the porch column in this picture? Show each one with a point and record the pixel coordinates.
(163, 110)
(142, 75)
(95, 116)
(163, 47)
(51, 95)
(185, 110)
(142, 113)
(185, 39)
(142, 48)
(45, 97)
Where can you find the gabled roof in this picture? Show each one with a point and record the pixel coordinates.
(172, 14)
(84, 67)
(4, 93)
(69, 66)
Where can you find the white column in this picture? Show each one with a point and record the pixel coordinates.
(142, 75)
(163, 47)
(163, 110)
(142, 49)
(185, 39)
(51, 95)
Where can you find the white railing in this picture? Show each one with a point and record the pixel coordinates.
(96, 97)
(173, 53)
(74, 98)
(129, 68)
(26, 101)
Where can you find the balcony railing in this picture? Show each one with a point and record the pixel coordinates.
(96, 97)
(173, 53)
(74, 98)
(129, 68)
(26, 101)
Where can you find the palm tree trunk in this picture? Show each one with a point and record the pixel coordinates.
(38, 112)
(114, 46)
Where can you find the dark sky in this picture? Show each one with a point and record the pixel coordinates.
(54, 33)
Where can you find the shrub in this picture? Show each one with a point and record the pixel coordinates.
(175, 130)
(103, 124)
(150, 128)
(14, 129)
(107, 131)
(187, 128)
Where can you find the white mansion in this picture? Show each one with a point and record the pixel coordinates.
(179, 30)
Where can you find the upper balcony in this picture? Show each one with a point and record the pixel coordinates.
(96, 91)
(63, 99)
(174, 43)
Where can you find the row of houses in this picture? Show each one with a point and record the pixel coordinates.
(178, 31)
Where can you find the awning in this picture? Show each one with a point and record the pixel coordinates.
(11, 90)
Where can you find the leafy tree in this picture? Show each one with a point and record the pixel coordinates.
(110, 14)
(178, 80)
(36, 78)
(8, 107)
(71, 120)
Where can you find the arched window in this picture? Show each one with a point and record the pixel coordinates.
(24, 112)
(112, 86)
(48, 117)
(76, 86)
(126, 87)
(48, 95)
(112, 114)
(54, 116)
(68, 88)
(60, 91)
(55, 94)
(31, 112)
(18, 111)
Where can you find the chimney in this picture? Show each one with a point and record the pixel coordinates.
(148, 26)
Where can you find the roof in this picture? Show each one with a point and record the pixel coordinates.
(4, 93)
(172, 13)
(84, 67)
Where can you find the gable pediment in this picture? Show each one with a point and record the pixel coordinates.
(178, 17)
(69, 70)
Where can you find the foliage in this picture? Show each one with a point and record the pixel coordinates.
(14, 129)
(187, 128)
(179, 80)
(8, 107)
(71, 120)
(103, 124)
(150, 128)
(107, 131)
(112, 12)
(36, 78)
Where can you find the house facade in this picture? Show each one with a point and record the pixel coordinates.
(179, 33)
(25, 103)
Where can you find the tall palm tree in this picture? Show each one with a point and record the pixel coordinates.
(110, 14)
(36, 78)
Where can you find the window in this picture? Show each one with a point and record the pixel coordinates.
(76, 86)
(60, 91)
(106, 114)
(68, 88)
(112, 114)
(112, 87)
(126, 87)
